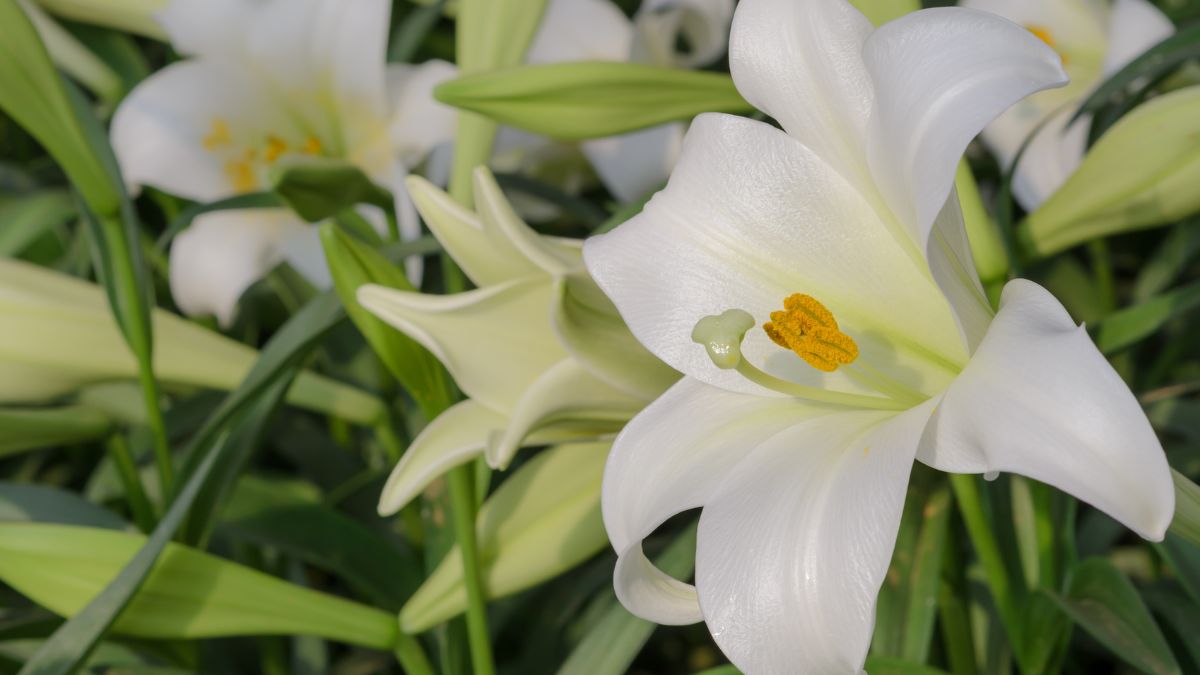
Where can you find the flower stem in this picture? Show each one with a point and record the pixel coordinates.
(970, 505)
(135, 494)
(462, 505)
(411, 656)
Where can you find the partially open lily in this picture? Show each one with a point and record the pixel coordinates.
(629, 165)
(266, 81)
(1094, 39)
(841, 238)
(537, 347)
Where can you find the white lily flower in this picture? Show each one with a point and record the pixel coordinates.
(630, 165)
(264, 81)
(1095, 39)
(842, 232)
(537, 347)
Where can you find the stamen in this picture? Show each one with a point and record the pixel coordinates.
(312, 146)
(241, 174)
(219, 136)
(809, 329)
(722, 337)
(276, 146)
(1046, 35)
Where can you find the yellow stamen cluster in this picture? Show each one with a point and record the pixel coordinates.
(807, 328)
(1046, 35)
(243, 172)
(218, 137)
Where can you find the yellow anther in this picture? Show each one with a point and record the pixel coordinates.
(241, 174)
(808, 328)
(275, 147)
(219, 136)
(312, 146)
(1046, 35)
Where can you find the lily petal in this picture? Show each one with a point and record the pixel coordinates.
(683, 445)
(581, 30)
(953, 267)
(590, 328)
(940, 76)
(801, 63)
(197, 27)
(495, 341)
(551, 255)
(566, 392)
(661, 23)
(795, 544)
(177, 129)
(419, 122)
(749, 217)
(1053, 154)
(1133, 27)
(223, 252)
(1038, 399)
(634, 164)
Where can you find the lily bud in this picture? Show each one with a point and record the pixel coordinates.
(59, 336)
(132, 16)
(1141, 173)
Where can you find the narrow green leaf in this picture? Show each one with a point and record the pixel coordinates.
(1128, 326)
(44, 504)
(614, 642)
(32, 92)
(1184, 559)
(1103, 602)
(354, 264)
(591, 99)
(925, 577)
(882, 665)
(317, 188)
(1045, 627)
(1163, 267)
(27, 217)
(408, 36)
(1186, 523)
(1160, 59)
(1178, 615)
(188, 594)
(24, 429)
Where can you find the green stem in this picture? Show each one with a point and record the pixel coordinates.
(462, 505)
(970, 505)
(1102, 270)
(411, 656)
(1047, 534)
(135, 494)
(391, 443)
(158, 426)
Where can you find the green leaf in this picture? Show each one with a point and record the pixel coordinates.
(1103, 602)
(1184, 558)
(591, 99)
(354, 264)
(267, 515)
(188, 594)
(24, 429)
(32, 92)
(45, 504)
(542, 521)
(317, 188)
(1186, 523)
(1169, 260)
(1140, 174)
(410, 33)
(27, 217)
(252, 402)
(1178, 615)
(610, 647)
(882, 665)
(1130, 325)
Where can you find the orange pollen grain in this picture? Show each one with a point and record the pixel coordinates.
(312, 146)
(219, 136)
(275, 147)
(809, 329)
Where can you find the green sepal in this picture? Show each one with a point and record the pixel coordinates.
(316, 188)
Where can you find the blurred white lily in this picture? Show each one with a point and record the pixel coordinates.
(266, 80)
(537, 347)
(1095, 39)
(841, 231)
(629, 165)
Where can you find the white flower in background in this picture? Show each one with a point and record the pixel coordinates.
(842, 233)
(265, 80)
(1095, 38)
(633, 164)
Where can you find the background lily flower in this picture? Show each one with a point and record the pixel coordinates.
(266, 81)
(1094, 39)
(842, 234)
(537, 347)
(630, 165)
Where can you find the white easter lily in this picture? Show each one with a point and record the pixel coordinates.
(537, 347)
(265, 81)
(1095, 39)
(842, 230)
(629, 165)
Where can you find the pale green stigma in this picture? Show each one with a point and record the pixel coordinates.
(722, 336)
